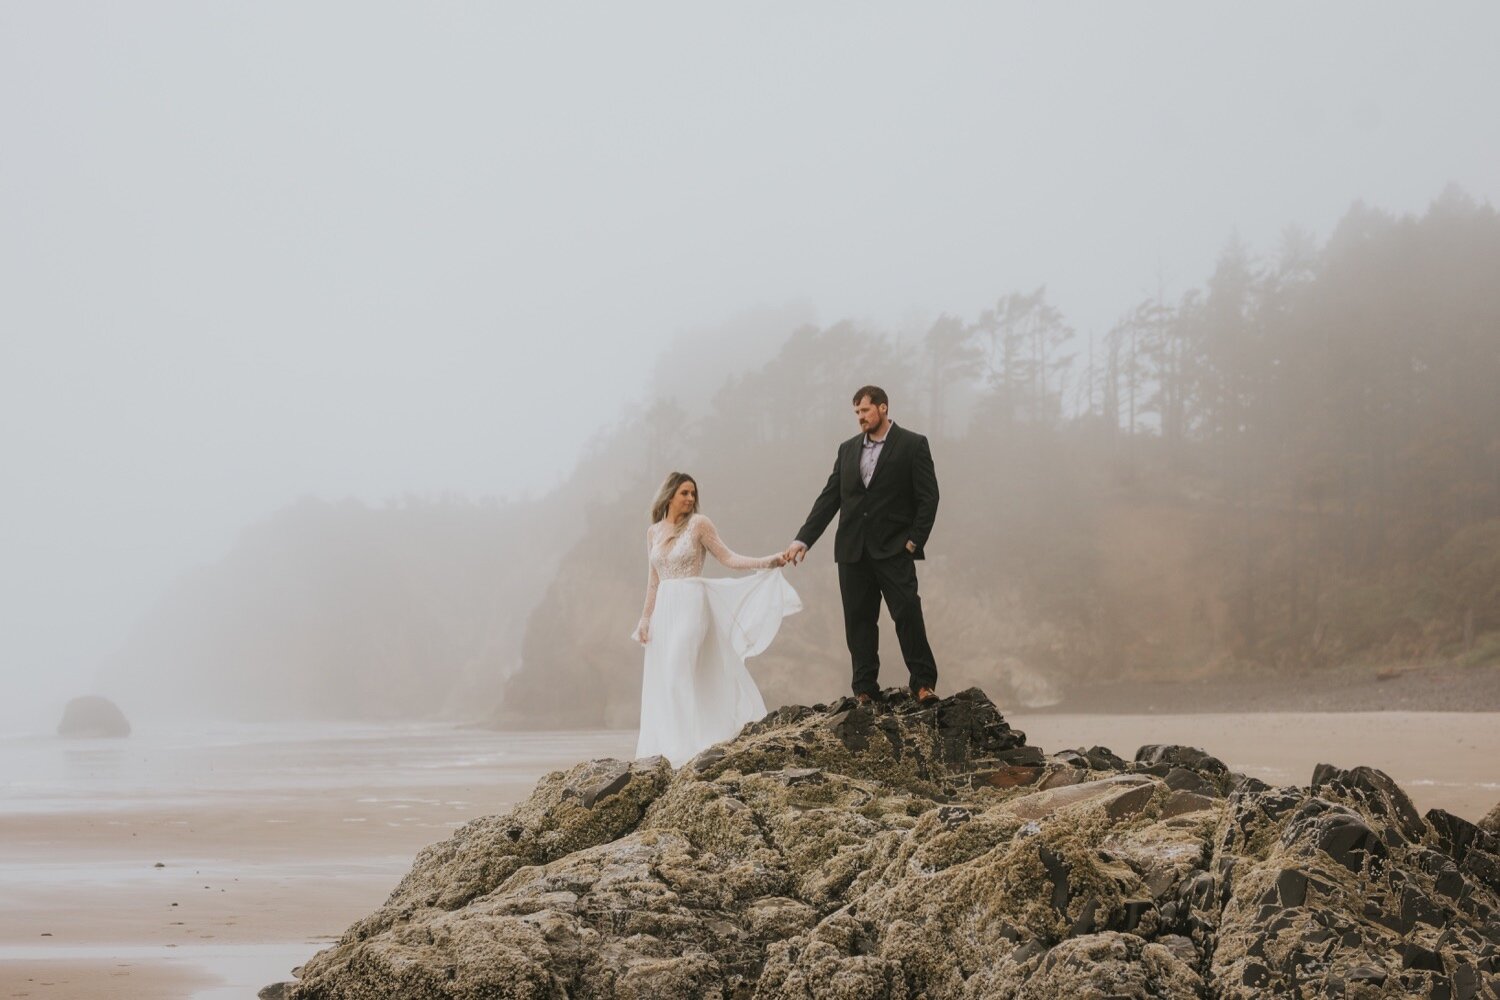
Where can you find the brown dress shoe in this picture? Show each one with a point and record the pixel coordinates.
(863, 699)
(925, 695)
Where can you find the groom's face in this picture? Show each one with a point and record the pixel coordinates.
(869, 415)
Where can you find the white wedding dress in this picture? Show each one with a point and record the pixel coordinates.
(696, 690)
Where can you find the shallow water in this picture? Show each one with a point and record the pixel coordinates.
(185, 766)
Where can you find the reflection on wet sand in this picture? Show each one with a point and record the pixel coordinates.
(206, 864)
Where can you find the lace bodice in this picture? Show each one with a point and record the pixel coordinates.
(674, 558)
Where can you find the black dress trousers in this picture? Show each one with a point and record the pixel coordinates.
(862, 584)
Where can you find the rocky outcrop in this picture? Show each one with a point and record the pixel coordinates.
(836, 851)
(92, 716)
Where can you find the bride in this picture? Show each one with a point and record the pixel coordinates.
(698, 632)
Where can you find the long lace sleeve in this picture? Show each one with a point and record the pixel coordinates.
(652, 582)
(708, 537)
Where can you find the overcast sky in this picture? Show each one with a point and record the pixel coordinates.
(253, 251)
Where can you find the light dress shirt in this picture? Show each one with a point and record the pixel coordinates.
(870, 454)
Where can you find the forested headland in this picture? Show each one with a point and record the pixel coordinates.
(1292, 466)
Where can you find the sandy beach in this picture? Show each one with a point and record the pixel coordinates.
(206, 865)
(270, 841)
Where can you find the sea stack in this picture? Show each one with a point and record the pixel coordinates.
(93, 716)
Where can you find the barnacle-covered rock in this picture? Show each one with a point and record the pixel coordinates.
(926, 851)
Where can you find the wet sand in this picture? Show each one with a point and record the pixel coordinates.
(269, 846)
(1437, 686)
(113, 979)
(273, 843)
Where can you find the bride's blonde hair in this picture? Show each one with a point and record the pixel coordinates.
(669, 488)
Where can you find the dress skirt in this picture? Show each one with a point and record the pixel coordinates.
(696, 690)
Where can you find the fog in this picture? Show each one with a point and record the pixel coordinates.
(256, 252)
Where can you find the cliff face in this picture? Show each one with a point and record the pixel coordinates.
(836, 851)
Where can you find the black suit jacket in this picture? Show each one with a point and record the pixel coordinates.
(898, 506)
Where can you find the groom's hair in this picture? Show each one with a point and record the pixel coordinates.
(877, 395)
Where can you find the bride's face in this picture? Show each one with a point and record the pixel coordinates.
(684, 501)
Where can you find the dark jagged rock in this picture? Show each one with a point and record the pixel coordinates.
(1491, 822)
(1173, 755)
(1456, 835)
(904, 850)
(1244, 783)
(1181, 779)
(93, 716)
(1072, 758)
(1336, 889)
(1376, 792)
(1103, 759)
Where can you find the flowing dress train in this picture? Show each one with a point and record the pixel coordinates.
(695, 690)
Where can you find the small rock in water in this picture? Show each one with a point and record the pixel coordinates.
(93, 716)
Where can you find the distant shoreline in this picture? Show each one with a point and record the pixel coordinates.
(1414, 688)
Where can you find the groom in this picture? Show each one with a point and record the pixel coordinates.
(885, 492)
